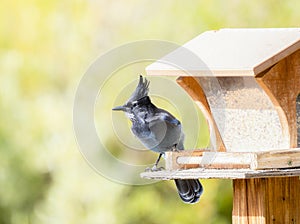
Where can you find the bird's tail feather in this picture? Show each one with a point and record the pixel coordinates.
(189, 190)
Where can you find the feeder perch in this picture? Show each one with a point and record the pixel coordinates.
(247, 84)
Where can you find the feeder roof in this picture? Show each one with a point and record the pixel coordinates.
(229, 52)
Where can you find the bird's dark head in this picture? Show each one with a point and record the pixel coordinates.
(138, 100)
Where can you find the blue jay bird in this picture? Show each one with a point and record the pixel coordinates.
(159, 131)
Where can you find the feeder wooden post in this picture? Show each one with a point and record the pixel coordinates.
(247, 84)
(266, 200)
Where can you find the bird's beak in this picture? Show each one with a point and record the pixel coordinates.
(122, 108)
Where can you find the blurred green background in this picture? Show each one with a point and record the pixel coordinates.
(45, 47)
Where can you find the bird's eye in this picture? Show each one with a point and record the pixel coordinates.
(134, 104)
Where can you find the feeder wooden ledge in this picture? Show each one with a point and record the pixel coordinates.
(195, 164)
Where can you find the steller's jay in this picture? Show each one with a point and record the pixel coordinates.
(159, 131)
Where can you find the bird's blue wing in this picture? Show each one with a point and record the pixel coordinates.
(170, 119)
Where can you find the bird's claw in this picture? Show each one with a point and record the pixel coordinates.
(157, 168)
(175, 149)
(153, 169)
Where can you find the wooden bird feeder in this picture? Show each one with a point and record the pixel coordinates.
(247, 84)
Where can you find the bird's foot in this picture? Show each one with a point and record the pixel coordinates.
(154, 168)
(174, 149)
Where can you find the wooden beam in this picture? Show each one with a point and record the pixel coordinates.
(277, 159)
(193, 88)
(282, 85)
(266, 200)
(298, 119)
(207, 159)
(229, 160)
(202, 173)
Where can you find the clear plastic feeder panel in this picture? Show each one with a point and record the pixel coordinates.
(244, 114)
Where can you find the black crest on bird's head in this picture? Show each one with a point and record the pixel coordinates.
(138, 98)
(141, 90)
